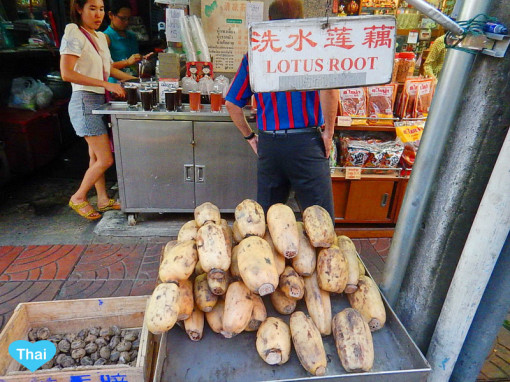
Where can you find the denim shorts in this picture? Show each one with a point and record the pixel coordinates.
(84, 122)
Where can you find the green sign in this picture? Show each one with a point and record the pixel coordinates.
(234, 21)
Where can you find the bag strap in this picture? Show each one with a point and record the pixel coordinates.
(89, 37)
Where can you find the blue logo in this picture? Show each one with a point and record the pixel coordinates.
(32, 355)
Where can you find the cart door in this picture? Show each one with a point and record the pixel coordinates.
(225, 165)
(157, 165)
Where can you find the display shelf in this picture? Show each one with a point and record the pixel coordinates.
(365, 128)
(369, 173)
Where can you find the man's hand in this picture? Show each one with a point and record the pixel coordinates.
(254, 143)
(327, 138)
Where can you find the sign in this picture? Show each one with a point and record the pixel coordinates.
(226, 30)
(353, 173)
(344, 120)
(173, 30)
(306, 54)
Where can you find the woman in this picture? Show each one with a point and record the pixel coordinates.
(122, 42)
(86, 63)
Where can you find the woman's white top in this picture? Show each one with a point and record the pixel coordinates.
(90, 63)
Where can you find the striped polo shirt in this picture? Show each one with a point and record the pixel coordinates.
(278, 110)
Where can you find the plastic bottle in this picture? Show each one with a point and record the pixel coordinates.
(495, 28)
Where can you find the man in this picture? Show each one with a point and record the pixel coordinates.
(292, 151)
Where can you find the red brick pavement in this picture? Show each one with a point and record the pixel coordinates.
(61, 272)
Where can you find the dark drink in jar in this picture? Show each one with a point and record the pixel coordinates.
(170, 98)
(154, 96)
(178, 97)
(146, 95)
(132, 95)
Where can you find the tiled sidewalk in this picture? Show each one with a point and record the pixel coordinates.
(63, 272)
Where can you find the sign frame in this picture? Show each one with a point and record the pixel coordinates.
(310, 54)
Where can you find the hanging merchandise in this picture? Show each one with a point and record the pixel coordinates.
(198, 38)
(410, 134)
(380, 100)
(187, 42)
(353, 104)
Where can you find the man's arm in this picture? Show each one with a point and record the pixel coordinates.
(237, 115)
(329, 105)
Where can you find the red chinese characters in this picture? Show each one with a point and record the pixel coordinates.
(378, 36)
(339, 37)
(261, 43)
(299, 39)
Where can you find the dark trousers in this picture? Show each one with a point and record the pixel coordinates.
(294, 161)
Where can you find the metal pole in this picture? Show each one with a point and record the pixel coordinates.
(483, 246)
(487, 322)
(443, 112)
(436, 15)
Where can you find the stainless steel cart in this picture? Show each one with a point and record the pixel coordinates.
(174, 161)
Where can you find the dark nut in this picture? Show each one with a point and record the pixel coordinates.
(32, 334)
(78, 353)
(83, 333)
(133, 354)
(124, 357)
(130, 335)
(100, 342)
(91, 347)
(90, 338)
(106, 332)
(64, 346)
(99, 362)
(123, 346)
(77, 344)
(136, 343)
(60, 358)
(116, 330)
(86, 361)
(55, 339)
(70, 337)
(67, 361)
(105, 352)
(95, 356)
(114, 342)
(43, 333)
(94, 331)
(114, 357)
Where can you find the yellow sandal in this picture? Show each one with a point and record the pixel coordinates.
(86, 215)
(112, 205)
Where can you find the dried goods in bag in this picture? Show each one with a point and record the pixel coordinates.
(353, 104)
(410, 137)
(424, 98)
(380, 101)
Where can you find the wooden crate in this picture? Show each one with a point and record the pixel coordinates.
(70, 316)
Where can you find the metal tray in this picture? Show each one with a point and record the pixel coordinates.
(217, 359)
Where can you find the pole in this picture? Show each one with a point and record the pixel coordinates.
(437, 16)
(476, 264)
(487, 322)
(440, 121)
(431, 248)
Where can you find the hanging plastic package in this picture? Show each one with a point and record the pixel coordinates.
(197, 33)
(187, 43)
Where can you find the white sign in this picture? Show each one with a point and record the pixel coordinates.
(254, 12)
(306, 54)
(173, 30)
